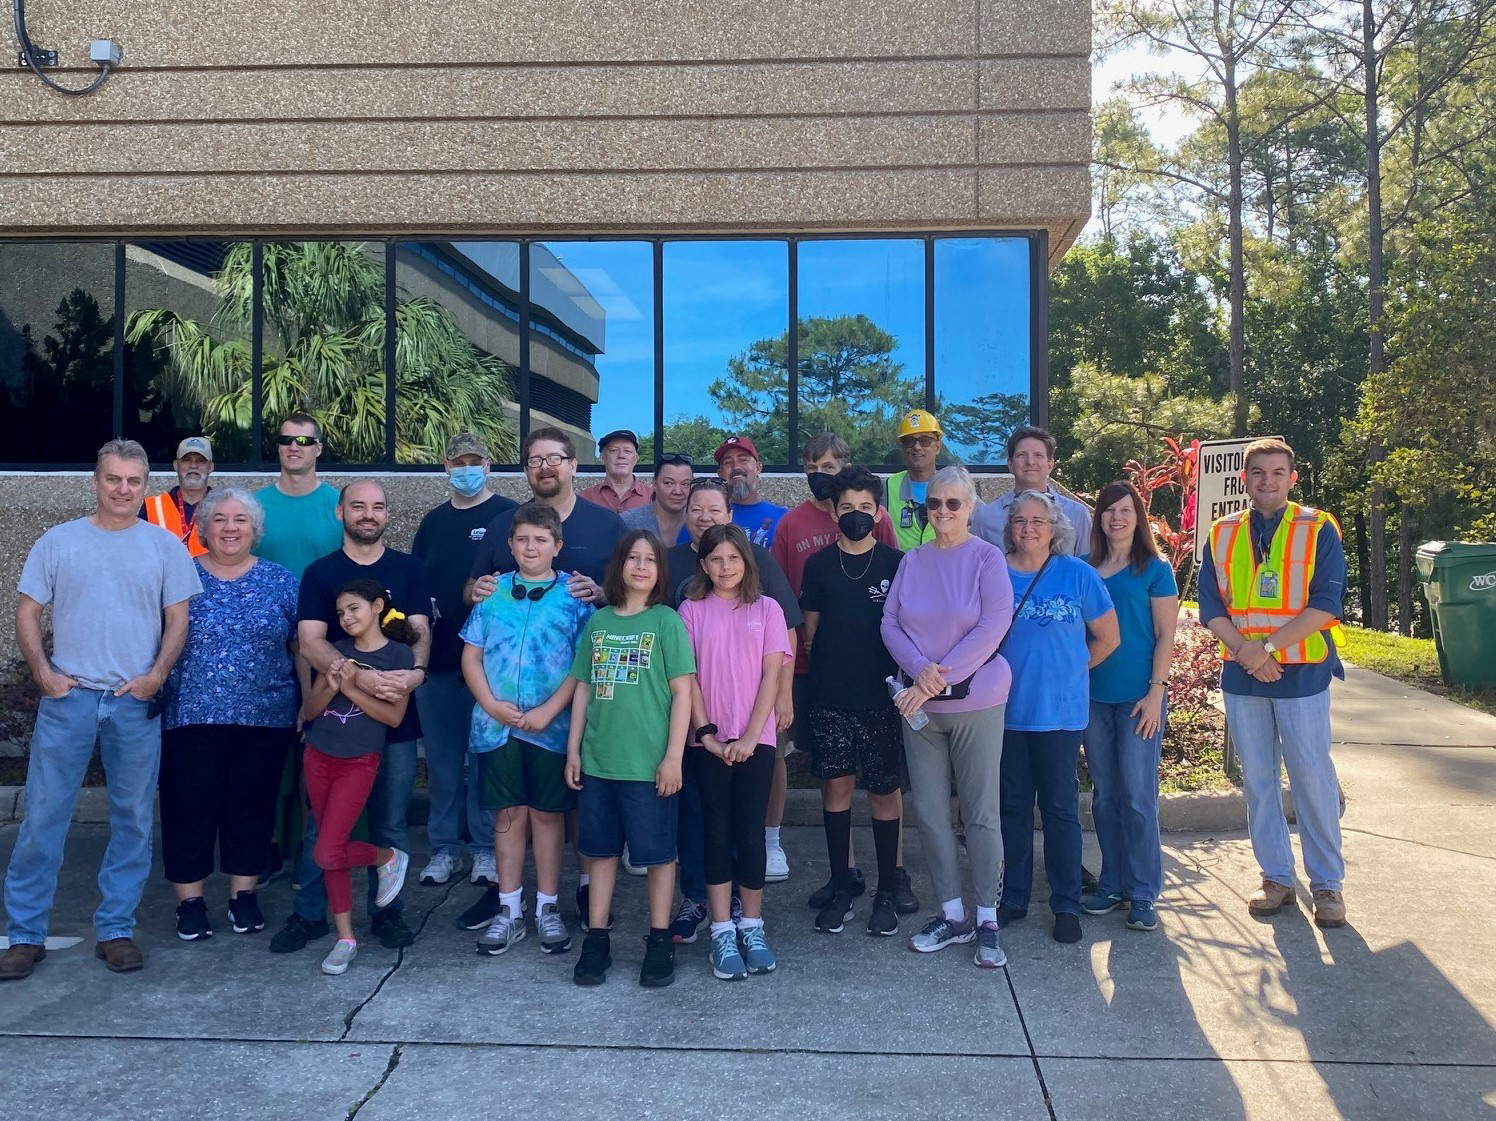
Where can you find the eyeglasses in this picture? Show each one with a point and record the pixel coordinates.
(920, 441)
(555, 459)
(1029, 523)
(951, 504)
(676, 459)
(300, 441)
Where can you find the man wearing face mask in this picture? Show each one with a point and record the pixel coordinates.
(447, 544)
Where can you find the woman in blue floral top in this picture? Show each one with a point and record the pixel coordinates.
(230, 717)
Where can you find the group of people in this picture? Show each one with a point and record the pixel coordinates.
(626, 668)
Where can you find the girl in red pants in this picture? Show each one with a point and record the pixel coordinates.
(345, 734)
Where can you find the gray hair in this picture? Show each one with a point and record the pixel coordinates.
(216, 498)
(954, 477)
(122, 449)
(1063, 541)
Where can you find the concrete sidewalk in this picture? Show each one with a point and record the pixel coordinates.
(1215, 1016)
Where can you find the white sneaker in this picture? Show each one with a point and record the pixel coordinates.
(343, 951)
(776, 864)
(630, 867)
(485, 869)
(391, 876)
(440, 868)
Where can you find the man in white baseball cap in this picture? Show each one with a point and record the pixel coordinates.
(176, 510)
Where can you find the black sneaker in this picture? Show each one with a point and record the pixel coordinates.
(245, 913)
(885, 917)
(1007, 915)
(192, 919)
(483, 912)
(658, 969)
(592, 967)
(822, 895)
(1066, 927)
(904, 899)
(389, 927)
(1087, 880)
(583, 897)
(296, 933)
(832, 918)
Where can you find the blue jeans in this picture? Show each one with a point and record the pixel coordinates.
(130, 745)
(388, 803)
(453, 777)
(1124, 802)
(1041, 766)
(1294, 732)
(690, 836)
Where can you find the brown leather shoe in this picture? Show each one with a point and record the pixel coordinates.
(17, 962)
(120, 955)
(1270, 898)
(1329, 909)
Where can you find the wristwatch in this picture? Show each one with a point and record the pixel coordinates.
(1268, 647)
(706, 730)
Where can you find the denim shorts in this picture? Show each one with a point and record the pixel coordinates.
(611, 811)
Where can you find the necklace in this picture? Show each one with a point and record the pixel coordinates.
(841, 558)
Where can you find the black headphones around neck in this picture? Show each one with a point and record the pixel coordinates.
(535, 595)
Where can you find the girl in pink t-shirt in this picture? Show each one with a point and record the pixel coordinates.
(742, 646)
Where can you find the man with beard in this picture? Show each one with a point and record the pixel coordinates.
(176, 510)
(739, 466)
(364, 513)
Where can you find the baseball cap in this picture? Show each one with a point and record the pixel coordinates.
(618, 434)
(736, 442)
(466, 443)
(199, 444)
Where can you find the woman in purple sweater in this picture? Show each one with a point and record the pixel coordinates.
(948, 609)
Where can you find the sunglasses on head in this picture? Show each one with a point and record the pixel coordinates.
(951, 504)
(676, 459)
(300, 441)
(709, 484)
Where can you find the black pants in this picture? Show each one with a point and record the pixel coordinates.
(218, 790)
(734, 802)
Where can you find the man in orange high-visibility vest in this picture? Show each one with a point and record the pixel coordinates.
(1271, 588)
(176, 510)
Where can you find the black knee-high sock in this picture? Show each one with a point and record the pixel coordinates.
(839, 843)
(886, 844)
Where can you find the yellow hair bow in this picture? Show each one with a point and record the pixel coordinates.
(390, 616)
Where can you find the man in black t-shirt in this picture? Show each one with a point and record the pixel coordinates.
(363, 511)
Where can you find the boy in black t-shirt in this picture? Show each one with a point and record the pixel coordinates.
(851, 722)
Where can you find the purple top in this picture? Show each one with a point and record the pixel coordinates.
(952, 607)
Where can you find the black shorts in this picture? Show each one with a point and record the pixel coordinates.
(846, 741)
(522, 774)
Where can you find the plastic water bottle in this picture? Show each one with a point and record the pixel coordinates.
(916, 720)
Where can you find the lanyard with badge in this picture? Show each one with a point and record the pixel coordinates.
(1267, 577)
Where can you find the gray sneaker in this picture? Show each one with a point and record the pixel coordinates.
(391, 876)
(335, 964)
(990, 953)
(940, 932)
(502, 933)
(554, 937)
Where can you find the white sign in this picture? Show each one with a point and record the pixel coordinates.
(1219, 489)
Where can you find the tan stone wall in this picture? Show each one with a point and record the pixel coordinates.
(610, 116)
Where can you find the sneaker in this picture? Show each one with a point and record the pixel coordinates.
(1329, 909)
(440, 868)
(737, 909)
(389, 927)
(584, 897)
(832, 918)
(485, 868)
(755, 947)
(391, 876)
(885, 917)
(776, 864)
(502, 933)
(245, 913)
(343, 951)
(1270, 898)
(1088, 882)
(690, 917)
(296, 933)
(1007, 916)
(595, 960)
(658, 969)
(551, 927)
(822, 895)
(990, 953)
(630, 867)
(1141, 915)
(940, 932)
(905, 901)
(727, 961)
(1101, 902)
(1067, 927)
(192, 919)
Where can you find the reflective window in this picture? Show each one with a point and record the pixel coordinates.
(981, 343)
(861, 342)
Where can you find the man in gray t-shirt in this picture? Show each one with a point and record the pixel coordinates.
(118, 588)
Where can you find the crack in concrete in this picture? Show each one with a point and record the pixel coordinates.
(399, 960)
(389, 1069)
(1029, 1039)
(1416, 844)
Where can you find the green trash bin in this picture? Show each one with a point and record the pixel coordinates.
(1459, 579)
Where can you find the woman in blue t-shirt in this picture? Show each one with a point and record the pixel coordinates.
(1128, 705)
(1064, 625)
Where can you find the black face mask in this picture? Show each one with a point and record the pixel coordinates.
(855, 524)
(820, 484)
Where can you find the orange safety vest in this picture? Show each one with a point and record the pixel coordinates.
(1263, 596)
(162, 510)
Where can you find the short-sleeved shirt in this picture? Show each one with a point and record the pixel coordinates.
(681, 560)
(345, 731)
(107, 588)
(588, 535)
(404, 581)
(759, 520)
(731, 640)
(1123, 676)
(236, 667)
(628, 662)
(528, 646)
(602, 494)
(299, 528)
(1047, 649)
(989, 522)
(849, 665)
(447, 544)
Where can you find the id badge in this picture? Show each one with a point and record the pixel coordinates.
(1267, 584)
(906, 518)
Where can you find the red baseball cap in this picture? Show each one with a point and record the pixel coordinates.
(742, 442)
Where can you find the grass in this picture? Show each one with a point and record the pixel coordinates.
(1413, 660)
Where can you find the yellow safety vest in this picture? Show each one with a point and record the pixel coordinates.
(1263, 597)
(163, 511)
(911, 525)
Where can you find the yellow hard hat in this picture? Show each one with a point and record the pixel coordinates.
(917, 420)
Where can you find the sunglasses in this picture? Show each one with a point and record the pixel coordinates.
(919, 441)
(709, 484)
(951, 504)
(676, 459)
(300, 441)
